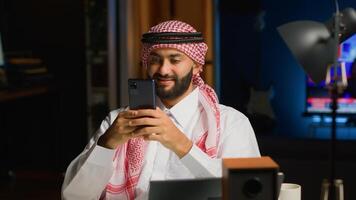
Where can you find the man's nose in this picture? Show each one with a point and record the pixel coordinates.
(165, 67)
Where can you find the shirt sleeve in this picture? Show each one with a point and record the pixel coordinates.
(237, 140)
(88, 174)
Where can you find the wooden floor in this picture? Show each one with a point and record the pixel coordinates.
(31, 185)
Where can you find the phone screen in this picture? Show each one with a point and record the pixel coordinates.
(142, 94)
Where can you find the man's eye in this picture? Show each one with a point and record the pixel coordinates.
(174, 61)
(154, 61)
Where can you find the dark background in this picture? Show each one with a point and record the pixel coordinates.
(43, 133)
(255, 57)
(46, 131)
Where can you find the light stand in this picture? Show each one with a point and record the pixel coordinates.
(334, 92)
(334, 106)
(315, 46)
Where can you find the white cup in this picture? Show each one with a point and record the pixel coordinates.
(290, 191)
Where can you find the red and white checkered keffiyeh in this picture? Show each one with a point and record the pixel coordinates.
(129, 157)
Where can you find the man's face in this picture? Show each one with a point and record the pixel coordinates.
(172, 71)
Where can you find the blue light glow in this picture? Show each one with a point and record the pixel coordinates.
(339, 120)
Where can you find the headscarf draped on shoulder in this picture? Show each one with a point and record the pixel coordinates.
(129, 157)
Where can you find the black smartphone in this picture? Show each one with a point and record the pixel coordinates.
(142, 94)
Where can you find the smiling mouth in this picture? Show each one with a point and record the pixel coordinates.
(164, 81)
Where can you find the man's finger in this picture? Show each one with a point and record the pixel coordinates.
(122, 129)
(147, 113)
(147, 131)
(129, 114)
(152, 137)
(144, 121)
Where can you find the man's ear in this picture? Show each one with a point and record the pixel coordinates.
(197, 68)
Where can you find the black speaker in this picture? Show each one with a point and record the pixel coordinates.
(250, 179)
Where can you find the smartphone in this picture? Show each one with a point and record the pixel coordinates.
(142, 94)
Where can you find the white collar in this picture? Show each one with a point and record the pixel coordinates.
(183, 111)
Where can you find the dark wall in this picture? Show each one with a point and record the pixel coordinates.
(240, 50)
(54, 32)
(282, 68)
(257, 57)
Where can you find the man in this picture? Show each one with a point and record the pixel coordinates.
(184, 137)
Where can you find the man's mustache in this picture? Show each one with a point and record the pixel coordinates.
(159, 76)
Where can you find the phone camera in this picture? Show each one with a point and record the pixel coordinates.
(133, 85)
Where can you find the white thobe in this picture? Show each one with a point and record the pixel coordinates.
(88, 174)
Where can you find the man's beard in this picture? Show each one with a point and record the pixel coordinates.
(179, 88)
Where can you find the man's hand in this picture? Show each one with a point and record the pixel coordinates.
(156, 125)
(119, 132)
